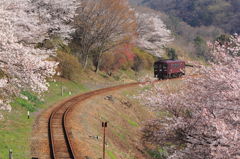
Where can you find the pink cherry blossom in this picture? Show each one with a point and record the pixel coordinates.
(203, 114)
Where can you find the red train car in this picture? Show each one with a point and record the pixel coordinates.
(169, 68)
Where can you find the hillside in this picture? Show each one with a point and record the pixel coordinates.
(221, 13)
(51, 50)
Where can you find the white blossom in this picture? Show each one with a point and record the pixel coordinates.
(205, 113)
(23, 23)
(153, 34)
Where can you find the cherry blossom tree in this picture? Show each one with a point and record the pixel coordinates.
(24, 23)
(35, 20)
(203, 117)
(153, 34)
(54, 17)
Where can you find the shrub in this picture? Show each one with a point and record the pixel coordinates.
(201, 47)
(31, 97)
(223, 39)
(1, 74)
(26, 104)
(126, 57)
(120, 58)
(112, 62)
(159, 153)
(138, 64)
(171, 53)
(69, 65)
(142, 60)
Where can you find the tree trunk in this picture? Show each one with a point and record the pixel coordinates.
(85, 62)
(98, 61)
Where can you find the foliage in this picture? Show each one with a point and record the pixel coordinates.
(54, 17)
(23, 24)
(69, 65)
(16, 128)
(100, 26)
(201, 47)
(159, 153)
(114, 61)
(204, 113)
(29, 101)
(126, 57)
(142, 60)
(171, 53)
(152, 32)
(31, 97)
(223, 39)
(184, 36)
(220, 13)
(25, 103)
(229, 45)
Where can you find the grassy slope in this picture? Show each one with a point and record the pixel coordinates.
(126, 116)
(15, 130)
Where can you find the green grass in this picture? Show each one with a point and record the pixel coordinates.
(14, 134)
(132, 123)
(30, 104)
(111, 155)
(32, 97)
(15, 130)
(24, 103)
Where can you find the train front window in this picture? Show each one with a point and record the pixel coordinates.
(164, 67)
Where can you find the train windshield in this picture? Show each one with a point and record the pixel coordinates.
(162, 67)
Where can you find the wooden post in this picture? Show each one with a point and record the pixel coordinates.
(10, 154)
(28, 114)
(61, 90)
(104, 125)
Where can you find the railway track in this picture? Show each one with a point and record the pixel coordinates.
(60, 137)
(60, 143)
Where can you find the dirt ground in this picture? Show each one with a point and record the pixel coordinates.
(124, 115)
(125, 118)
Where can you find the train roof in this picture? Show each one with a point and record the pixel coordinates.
(170, 61)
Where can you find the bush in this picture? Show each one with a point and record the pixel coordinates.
(142, 60)
(120, 58)
(1, 74)
(171, 53)
(26, 104)
(159, 153)
(223, 39)
(69, 65)
(31, 97)
(112, 62)
(126, 57)
(201, 47)
(30, 103)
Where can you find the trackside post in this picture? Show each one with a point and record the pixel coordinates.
(104, 125)
(10, 154)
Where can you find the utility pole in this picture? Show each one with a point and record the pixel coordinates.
(104, 125)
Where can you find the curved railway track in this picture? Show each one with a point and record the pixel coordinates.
(60, 137)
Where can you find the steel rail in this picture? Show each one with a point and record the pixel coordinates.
(60, 139)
